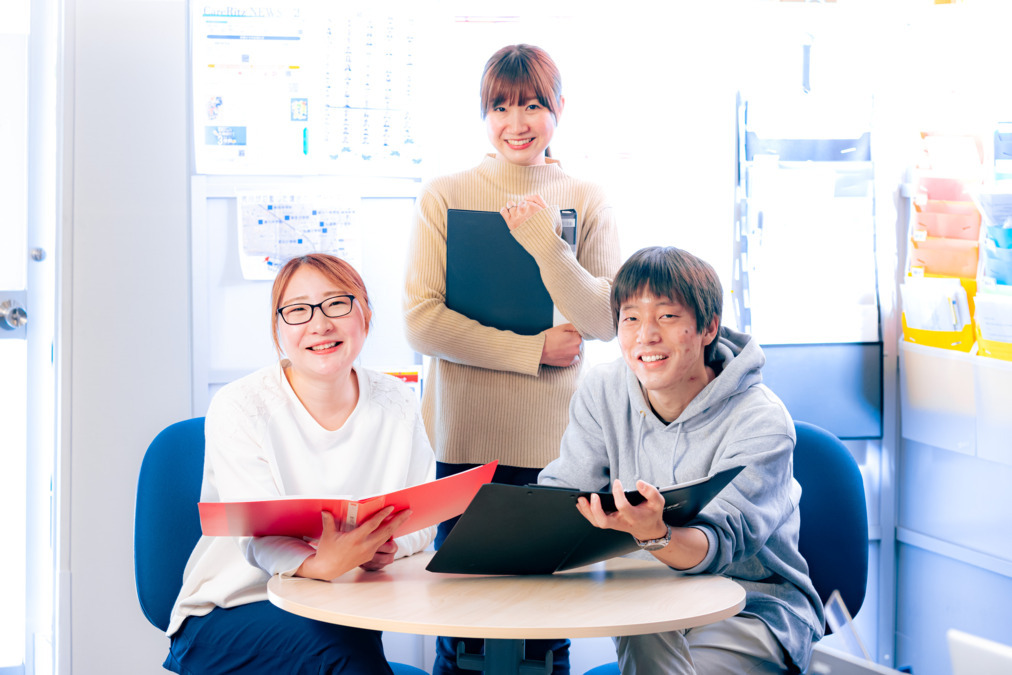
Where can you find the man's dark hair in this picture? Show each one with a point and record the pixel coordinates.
(672, 273)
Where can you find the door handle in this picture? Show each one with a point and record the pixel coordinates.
(12, 315)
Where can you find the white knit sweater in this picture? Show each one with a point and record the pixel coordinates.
(262, 443)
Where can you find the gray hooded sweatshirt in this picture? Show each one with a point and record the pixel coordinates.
(753, 524)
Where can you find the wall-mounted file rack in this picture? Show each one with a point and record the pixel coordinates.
(952, 396)
(944, 243)
(957, 232)
(804, 280)
(994, 303)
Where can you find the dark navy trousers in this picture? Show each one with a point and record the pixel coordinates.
(446, 647)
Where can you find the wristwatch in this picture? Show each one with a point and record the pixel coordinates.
(655, 544)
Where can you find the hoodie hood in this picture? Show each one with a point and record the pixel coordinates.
(668, 453)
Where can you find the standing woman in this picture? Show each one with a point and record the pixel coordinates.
(311, 424)
(492, 394)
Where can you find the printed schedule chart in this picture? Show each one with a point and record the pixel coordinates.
(298, 89)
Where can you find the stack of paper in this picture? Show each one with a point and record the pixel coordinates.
(935, 303)
(993, 318)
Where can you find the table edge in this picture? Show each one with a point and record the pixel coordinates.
(456, 630)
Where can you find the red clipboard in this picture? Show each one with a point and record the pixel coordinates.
(430, 503)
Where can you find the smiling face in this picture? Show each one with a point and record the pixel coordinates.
(521, 102)
(520, 133)
(322, 347)
(663, 347)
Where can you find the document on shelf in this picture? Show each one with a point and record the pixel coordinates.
(995, 205)
(993, 313)
(430, 503)
(935, 303)
(536, 529)
(998, 264)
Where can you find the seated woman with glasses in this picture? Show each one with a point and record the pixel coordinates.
(312, 424)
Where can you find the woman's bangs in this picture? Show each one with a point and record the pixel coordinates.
(517, 86)
(510, 92)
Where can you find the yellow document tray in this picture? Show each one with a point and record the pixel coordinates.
(958, 340)
(992, 348)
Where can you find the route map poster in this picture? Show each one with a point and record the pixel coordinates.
(274, 227)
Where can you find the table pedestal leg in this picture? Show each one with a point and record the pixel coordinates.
(503, 657)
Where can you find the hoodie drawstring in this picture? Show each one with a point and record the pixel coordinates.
(674, 452)
(639, 447)
(639, 444)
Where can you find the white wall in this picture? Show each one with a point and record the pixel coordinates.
(126, 334)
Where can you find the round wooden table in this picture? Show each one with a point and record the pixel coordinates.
(622, 596)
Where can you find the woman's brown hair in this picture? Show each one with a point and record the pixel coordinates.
(518, 73)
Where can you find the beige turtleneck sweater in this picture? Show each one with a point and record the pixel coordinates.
(486, 396)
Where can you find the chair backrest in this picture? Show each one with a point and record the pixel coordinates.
(834, 515)
(166, 519)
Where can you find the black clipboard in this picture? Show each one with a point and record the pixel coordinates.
(491, 278)
(511, 529)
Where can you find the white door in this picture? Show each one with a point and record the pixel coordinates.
(28, 158)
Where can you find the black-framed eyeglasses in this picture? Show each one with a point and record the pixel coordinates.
(302, 312)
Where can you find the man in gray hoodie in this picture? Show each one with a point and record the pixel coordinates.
(684, 402)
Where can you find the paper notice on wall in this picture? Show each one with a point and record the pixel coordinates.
(274, 227)
(304, 88)
(251, 88)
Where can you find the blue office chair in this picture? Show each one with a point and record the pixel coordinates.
(834, 515)
(834, 520)
(167, 523)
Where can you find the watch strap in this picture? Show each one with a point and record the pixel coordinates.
(655, 544)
